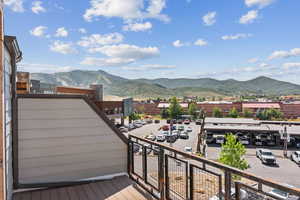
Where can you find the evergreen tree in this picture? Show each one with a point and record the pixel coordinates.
(175, 109)
(217, 112)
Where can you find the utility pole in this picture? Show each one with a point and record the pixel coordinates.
(285, 143)
(201, 137)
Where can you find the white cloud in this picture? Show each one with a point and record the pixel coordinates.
(249, 17)
(61, 32)
(127, 51)
(38, 31)
(108, 62)
(97, 40)
(285, 54)
(63, 47)
(149, 67)
(253, 60)
(259, 3)
(209, 19)
(178, 43)
(200, 42)
(127, 10)
(82, 30)
(42, 68)
(291, 65)
(15, 5)
(236, 36)
(264, 65)
(37, 7)
(137, 26)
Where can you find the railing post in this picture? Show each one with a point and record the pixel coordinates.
(191, 182)
(129, 159)
(237, 191)
(161, 176)
(227, 185)
(144, 163)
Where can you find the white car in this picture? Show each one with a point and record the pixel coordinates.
(266, 156)
(220, 140)
(160, 138)
(189, 129)
(296, 157)
(188, 150)
(282, 194)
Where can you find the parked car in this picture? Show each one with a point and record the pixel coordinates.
(188, 150)
(283, 195)
(266, 156)
(296, 157)
(136, 148)
(181, 128)
(189, 129)
(160, 138)
(220, 139)
(168, 121)
(245, 140)
(137, 124)
(176, 133)
(209, 138)
(150, 137)
(184, 136)
(157, 121)
(263, 138)
(165, 133)
(174, 127)
(174, 121)
(155, 149)
(258, 142)
(165, 127)
(148, 148)
(149, 121)
(198, 122)
(171, 138)
(187, 122)
(131, 126)
(179, 121)
(123, 129)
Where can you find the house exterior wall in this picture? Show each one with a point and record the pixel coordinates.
(225, 107)
(290, 110)
(65, 140)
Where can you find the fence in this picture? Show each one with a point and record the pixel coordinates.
(170, 174)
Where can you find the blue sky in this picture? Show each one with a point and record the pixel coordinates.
(222, 39)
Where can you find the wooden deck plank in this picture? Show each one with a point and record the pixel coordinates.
(120, 188)
(36, 195)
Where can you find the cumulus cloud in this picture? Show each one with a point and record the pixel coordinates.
(108, 62)
(37, 7)
(236, 36)
(136, 27)
(249, 17)
(259, 3)
(120, 55)
(200, 42)
(178, 43)
(38, 31)
(43, 68)
(285, 54)
(82, 30)
(149, 67)
(264, 65)
(127, 10)
(97, 40)
(127, 51)
(14, 5)
(61, 32)
(291, 65)
(209, 19)
(63, 47)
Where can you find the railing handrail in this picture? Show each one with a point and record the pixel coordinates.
(267, 182)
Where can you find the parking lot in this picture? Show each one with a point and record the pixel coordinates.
(285, 171)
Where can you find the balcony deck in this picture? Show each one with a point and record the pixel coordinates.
(119, 188)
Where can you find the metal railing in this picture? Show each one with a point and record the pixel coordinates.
(168, 173)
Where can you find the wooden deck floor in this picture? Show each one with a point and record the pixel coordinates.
(120, 188)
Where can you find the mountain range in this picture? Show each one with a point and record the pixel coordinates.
(165, 87)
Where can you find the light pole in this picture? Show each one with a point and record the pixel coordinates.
(285, 142)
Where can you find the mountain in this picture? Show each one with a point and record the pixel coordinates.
(164, 87)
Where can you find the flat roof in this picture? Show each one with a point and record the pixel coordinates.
(166, 105)
(260, 105)
(214, 120)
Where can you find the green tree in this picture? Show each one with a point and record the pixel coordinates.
(233, 113)
(174, 109)
(164, 113)
(134, 116)
(217, 112)
(269, 114)
(232, 153)
(247, 113)
(193, 110)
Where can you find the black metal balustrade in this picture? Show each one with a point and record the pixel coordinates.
(171, 174)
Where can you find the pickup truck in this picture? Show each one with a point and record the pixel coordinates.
(266, 156)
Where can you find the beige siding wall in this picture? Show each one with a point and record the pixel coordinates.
(65, 140)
